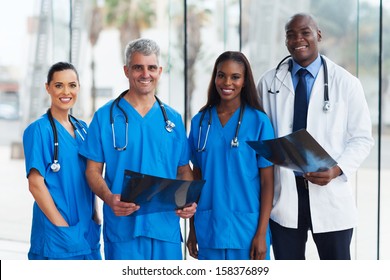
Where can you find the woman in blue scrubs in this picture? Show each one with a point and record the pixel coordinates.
(231, 221)
(65, 222)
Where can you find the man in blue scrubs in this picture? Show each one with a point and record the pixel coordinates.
(131, 133)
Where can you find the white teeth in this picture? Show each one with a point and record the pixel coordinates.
(300, 48)
(65, 99)
(227, 90)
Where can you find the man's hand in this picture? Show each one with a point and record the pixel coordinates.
(121, 208)
(187, 212)
(324, 177)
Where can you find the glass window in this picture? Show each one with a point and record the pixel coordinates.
(191, 34)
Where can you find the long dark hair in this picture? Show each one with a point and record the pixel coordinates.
(248, 94)
(60, 66)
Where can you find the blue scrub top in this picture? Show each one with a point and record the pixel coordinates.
(68, 188)
(150, 150)
(228, 210)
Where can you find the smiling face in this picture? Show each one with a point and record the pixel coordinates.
(229, 80)
(302, 37)
(63, 89)
(143, 73)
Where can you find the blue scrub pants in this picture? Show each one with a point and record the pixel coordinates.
(95, 255)
(143, 248)
(225, 254)
(290, 244)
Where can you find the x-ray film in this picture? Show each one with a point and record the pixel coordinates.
(156, 194)
(298, 151)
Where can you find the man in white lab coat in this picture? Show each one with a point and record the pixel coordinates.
(322, 202)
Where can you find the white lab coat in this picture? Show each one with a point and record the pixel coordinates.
(344, 132)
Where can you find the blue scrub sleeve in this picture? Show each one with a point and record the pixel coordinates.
(92, 147)
(36, 156)
(266, 133)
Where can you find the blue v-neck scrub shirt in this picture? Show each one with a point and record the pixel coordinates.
(228, 210)
(69, 190)
(150, 150)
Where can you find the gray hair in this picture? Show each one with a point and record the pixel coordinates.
(145, 46)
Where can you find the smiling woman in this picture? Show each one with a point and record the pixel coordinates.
(65, 221)
(220, 156)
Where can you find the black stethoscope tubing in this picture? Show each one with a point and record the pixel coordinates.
(169, 125)
(326, 106)
(55, 166)
(234, 143)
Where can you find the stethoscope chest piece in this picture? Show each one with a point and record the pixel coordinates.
(169, 126)
(326, 107)
(234, 143)
(55, 166)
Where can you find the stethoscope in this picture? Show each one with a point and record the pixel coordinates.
(169, 125)
(326, 107)
(55, 166)
(234, 143)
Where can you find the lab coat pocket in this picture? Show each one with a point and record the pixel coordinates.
(65, 241)
(339, 189)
